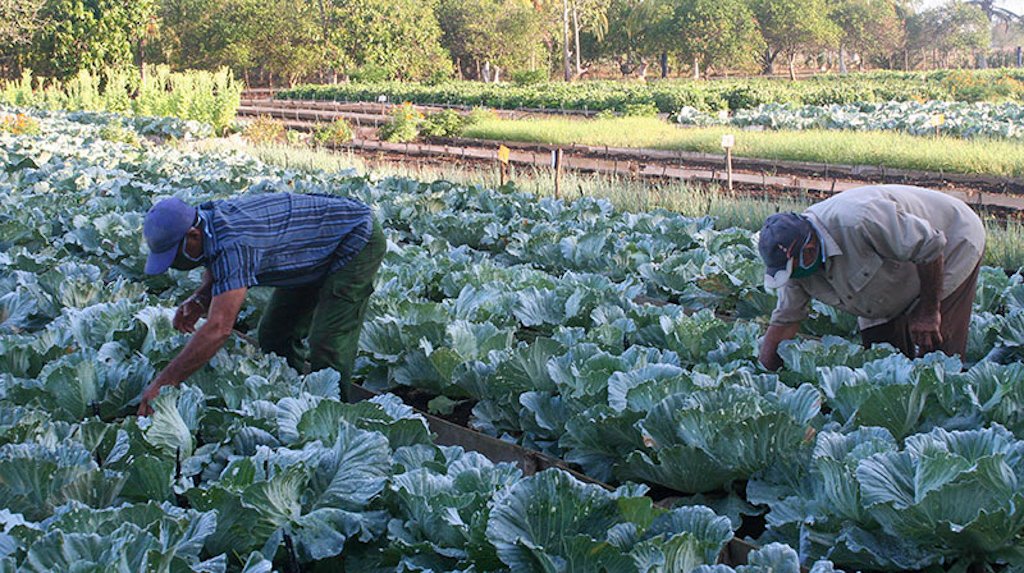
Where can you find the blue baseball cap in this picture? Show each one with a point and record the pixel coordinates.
(164, 228)
(780, 240)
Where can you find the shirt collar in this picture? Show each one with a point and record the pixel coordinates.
(829, 244)
(209, 239)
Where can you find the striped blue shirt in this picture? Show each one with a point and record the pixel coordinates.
(281, 239)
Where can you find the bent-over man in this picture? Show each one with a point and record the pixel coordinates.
(321, 252)
(903, 259)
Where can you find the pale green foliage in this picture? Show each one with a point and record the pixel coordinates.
(206, 97)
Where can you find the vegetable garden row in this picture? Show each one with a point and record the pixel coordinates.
(670, 96)
(981, 120)
(537, 315)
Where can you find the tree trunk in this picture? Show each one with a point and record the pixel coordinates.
(576, 38)
(792, 67)
(142, 64)
(842, 59)
(769, 62)
(566, 63)
(644, 65)
(696, 67)
(664, 65)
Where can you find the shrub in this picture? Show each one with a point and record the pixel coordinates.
(640, 110)
(529, 77)
(19, 124)
(446, 123)
(479, 114)
(117, 132)
(369, 73)
(404, 124)
(335, 133)
(263, 130)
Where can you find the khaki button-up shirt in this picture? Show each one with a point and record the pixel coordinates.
(874, 238)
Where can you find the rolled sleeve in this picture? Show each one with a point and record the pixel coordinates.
(793, 305)
(233, 268)
(897, 235)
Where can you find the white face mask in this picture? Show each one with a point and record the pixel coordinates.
(780, 277)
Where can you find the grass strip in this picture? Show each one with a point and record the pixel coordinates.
(876, 148)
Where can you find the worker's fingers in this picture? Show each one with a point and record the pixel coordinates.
(927, 341)
(144, 409)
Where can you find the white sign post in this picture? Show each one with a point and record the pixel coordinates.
(728, 142)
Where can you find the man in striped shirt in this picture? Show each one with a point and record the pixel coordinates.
(321, 252)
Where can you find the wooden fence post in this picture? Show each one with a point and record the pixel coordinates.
(556, 163)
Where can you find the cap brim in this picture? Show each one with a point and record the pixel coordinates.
(157, 263)
(776, 278)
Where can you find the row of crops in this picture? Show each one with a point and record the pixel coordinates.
(960, 119)
(624, 343)
(210, 98)
(670, 96)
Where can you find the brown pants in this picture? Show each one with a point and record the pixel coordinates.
(955, 311)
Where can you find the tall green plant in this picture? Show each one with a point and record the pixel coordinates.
(208, 97)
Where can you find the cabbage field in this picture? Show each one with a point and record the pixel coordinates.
(981, 120)
(624, 343)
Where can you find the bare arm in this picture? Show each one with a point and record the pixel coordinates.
(200, 348)
(776, 333)
(926, 320)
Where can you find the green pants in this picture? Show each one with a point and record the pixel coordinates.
(330, 315)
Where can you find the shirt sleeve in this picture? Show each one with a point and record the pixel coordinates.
(793, 305)
(897, 235)
(234, 267)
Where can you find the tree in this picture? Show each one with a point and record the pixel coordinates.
(994, 12)
(717, 33)
(401, 38)
(491, 35)
(86, 34)
(789, 26)
(968, 29)
(275, 38)
(866, 26)
(19, 20)
(587, 16)
(638, 30)
(950, 30)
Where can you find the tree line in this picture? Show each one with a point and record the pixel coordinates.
(286, 41)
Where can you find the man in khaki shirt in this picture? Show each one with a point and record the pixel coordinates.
(903, 259)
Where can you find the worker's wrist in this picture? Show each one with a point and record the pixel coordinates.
(198, 301)
(926, 308)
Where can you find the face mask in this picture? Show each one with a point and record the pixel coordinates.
(799, 270)
(183, 261)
